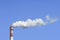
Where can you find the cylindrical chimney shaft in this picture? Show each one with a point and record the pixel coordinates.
(11, 32)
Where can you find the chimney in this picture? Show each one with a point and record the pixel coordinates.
(11, 32)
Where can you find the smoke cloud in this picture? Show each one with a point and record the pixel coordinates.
(33, 23)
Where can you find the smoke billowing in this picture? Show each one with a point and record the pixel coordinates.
(36, 22)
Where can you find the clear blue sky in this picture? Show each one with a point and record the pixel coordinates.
(15, 10)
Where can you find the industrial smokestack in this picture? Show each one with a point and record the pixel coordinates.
(31, 23)
(11, 32)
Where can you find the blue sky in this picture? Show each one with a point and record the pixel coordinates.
(15, 10)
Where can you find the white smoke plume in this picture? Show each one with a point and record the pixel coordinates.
(33, 23)
(51, 20)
